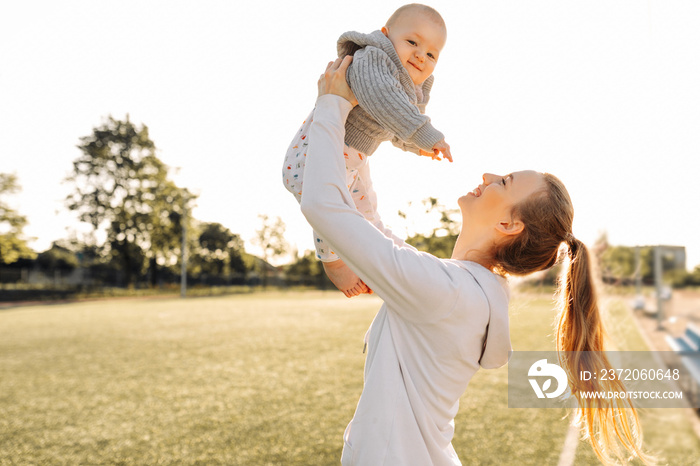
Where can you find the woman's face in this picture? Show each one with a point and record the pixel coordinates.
(490, 204)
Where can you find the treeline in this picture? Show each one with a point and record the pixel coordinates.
(216, 257)
(123, 191)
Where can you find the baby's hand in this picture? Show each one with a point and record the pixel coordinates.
(441, 146)
(432, 155)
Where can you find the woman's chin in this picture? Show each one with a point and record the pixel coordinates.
(464, 200)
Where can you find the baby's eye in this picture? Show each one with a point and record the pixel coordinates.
(431, 55)
(412, 42)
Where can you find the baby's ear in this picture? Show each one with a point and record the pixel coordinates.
(385, 31)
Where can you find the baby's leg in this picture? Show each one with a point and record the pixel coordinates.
(340, 274)
(365, 199)
(363, 195)
(337, 271)
(345, 279)
(295, 160)
(293, 177)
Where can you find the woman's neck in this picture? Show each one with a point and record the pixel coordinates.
(474, 248)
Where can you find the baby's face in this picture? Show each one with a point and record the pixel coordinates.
(418, 41)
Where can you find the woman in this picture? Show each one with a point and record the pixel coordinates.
(442, 319)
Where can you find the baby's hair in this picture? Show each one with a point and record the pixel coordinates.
(429, 12)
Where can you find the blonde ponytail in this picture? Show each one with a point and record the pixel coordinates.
(607, 424)
(548, 217)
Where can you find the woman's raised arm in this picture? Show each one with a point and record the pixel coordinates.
(417, 283)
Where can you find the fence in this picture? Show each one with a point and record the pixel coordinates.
(31, 284)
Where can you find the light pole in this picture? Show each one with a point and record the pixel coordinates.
(183, 260)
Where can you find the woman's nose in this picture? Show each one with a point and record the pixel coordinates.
(488, 178)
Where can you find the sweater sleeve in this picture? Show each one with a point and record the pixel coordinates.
(405, 146)
(422, 102)
(416, 284)
(378, 91)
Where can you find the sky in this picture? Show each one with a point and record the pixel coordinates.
(603, 94)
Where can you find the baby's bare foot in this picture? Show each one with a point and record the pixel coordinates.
(345, 279)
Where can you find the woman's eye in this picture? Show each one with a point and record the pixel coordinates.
(503, 180)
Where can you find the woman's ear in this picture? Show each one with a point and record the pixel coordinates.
(513, 227)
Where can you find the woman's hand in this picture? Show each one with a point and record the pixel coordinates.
(333, 80)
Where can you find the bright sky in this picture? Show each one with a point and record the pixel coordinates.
(604, 94)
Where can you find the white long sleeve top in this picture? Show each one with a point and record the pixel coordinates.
(441, 319)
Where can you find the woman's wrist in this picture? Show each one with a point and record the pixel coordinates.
(332, 106)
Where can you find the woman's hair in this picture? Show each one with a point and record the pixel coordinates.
(548, 217)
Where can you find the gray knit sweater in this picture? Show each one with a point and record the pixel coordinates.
(389, 109)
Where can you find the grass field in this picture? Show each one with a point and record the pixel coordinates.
(251, 379)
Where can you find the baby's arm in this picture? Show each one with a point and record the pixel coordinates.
(373, 81)
(441, 146)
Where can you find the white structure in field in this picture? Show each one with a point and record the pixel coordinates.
(675, 255)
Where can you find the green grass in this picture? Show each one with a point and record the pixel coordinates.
(251, 379)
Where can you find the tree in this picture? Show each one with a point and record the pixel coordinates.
(695, 276)
(308, 270)
(618, 264)
(13, 244)
(123, 187)
(441, 240)
(219, 251)
(59, 256)
(270, 238)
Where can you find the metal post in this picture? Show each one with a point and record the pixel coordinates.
(638, 270)
(183, 261)
(658, 277)
(639, 302)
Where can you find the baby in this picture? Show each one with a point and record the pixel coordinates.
(391, 77)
